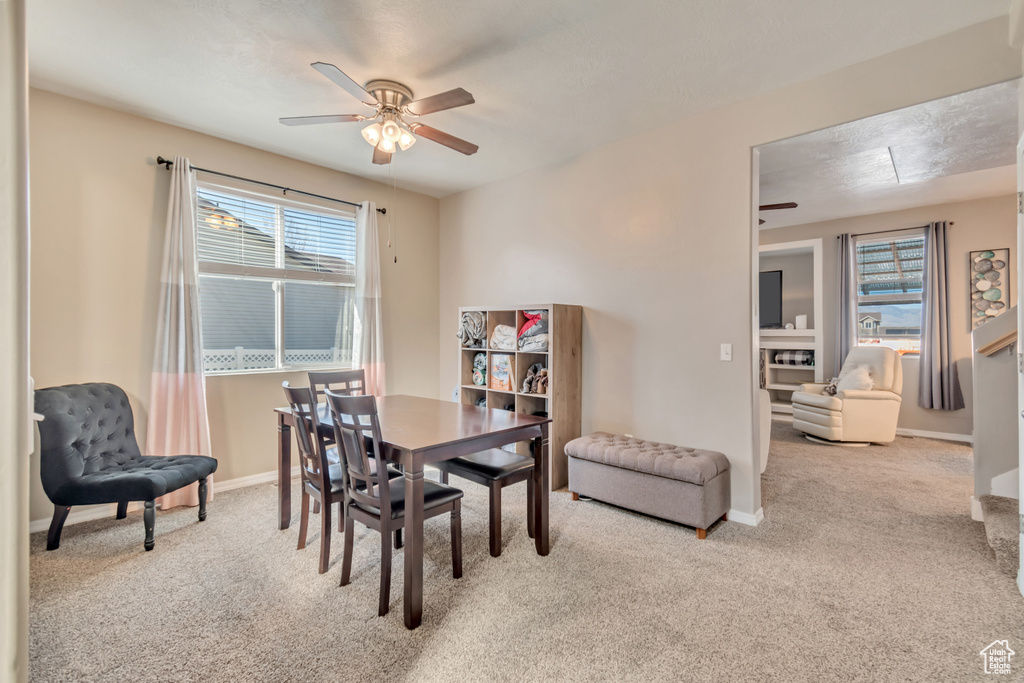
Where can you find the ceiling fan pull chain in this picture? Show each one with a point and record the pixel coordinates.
(394, 204)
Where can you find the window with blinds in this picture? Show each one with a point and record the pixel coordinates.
(890, 280)
(276, 282)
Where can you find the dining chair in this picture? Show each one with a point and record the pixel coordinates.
(321, 479)
(494, 469)
(373, 499)
(347, 382)
(321, 474)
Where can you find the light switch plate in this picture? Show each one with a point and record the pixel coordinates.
(726, 352)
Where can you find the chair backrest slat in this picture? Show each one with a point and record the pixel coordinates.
(347, 382)
(355, 421)
(312, 448)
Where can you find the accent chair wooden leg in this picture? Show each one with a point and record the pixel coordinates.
(325, 537)
(529, 507)
(203, 492)
(303, 520)
(122, 509)
(316, 507)
(575, 496)
(495, 519)
(346, 558)
(444, 477)
(385, 573)
(725, 517)
(702, 534)
(149, 519)
(457, 540)
(341, 516)
(399, 539)
(60, 514)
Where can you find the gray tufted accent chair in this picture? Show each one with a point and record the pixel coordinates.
(89, 456)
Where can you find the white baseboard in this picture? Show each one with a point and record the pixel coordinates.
(1020, 581)
(976, 512)
(941, 436)
(746, 517)
(251, 480)
(111, 510)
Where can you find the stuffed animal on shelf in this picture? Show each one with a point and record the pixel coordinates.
(542, 382)
(530, 382)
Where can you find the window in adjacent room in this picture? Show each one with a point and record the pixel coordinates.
(276, 282)
(890, 279)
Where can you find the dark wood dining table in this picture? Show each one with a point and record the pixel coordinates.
(420, 431)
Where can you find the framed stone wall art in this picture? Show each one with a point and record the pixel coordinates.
(990, 285)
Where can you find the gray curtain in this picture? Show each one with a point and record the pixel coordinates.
(940, 385)
(846, 306)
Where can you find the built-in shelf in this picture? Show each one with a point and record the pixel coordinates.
(781, 339)
(782, 407)
(787, 333)
(783, 386)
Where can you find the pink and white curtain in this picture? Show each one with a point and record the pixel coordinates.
(178, 423)
(368, 330)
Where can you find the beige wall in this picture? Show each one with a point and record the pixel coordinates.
(979, 224)
(652, 235)
(98, 222)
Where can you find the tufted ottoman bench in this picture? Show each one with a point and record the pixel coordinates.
(685, 485)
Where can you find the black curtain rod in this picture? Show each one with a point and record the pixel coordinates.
(882, 232)
(167, 163)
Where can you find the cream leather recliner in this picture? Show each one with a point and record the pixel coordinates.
(855, 415)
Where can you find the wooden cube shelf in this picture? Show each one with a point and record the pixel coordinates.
(563, 361)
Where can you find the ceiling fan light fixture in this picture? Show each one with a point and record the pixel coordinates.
(372, 134)
(386, 145)
(391, 130)
(406, 140)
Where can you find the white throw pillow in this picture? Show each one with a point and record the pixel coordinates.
(858, 379)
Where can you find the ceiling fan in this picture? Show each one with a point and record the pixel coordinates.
(773, 207)
(393, 104)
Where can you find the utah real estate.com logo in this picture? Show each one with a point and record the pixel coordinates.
(997, 657)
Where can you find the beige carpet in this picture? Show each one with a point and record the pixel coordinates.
(866, 567)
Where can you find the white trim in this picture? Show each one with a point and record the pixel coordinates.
(746, 517)
(900, 431)
(1020, 582)
(941, 436)
(251, 480)
(977, 514)
(111, 509)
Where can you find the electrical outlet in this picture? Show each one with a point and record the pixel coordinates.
(726, 352)
(455, 395)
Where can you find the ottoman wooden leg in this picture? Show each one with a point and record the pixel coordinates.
(702, 534)
(575, 496)
(725, 517)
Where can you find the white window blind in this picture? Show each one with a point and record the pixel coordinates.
(890, 281)
(276, 282)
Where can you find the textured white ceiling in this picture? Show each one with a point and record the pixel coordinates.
(551, 79)
(953, 149)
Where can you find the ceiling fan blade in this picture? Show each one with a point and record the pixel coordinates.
(331, 118)
(342, 80)
(772, 207)
(380, 157)
(443, 138)
(446, 100)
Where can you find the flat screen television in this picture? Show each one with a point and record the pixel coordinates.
(770, 287)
